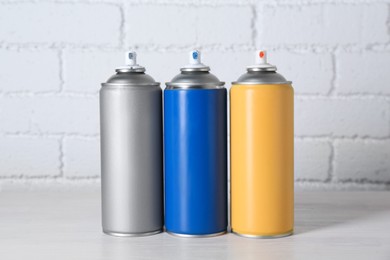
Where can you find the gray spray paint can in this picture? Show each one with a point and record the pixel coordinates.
(131, 152)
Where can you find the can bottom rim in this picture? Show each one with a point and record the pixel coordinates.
(118, 234)
(289, 233)
(196, 236)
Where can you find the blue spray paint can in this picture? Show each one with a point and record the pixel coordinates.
(195, 145)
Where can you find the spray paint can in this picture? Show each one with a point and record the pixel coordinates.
(195, 145)
(131, 152)
(262, 152)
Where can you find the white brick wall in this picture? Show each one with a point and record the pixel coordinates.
(40, 70)
(312, 160)
(324, 24)
(84, 70)
(363, 160)
(50, 23)
(311, 73)
(172, 25)
(82, 157)
(50, 115)
(342, 117)
(29, 157)
(54, 55)
(364, 73)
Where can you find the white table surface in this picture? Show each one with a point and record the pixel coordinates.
(66, 225)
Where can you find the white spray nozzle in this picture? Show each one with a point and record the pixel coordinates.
(131, 58)
(261, 62)
(195, 62)
(195, 57)
(261, 57)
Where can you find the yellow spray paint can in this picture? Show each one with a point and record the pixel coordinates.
(262, 152)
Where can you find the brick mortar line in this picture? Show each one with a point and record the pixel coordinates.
(389, 116)
(48, 177)
(49, 181)
(342, 186)
(253, 25)
(362, 96)
(186, 47)
(332, 90)
(61, 158)
(362, 138)
(38, 46)
(68, 94)
(122, 26)
(305, 3)
(41, 180)
(377, 47)
(357, 180)
(37, 177)
(97, 177)
(388, 23)
(61, 73)
(293, 48)
(59, 2)
(55, 46)
(92, 95)
(191, 3)
(328, 138)
(331, 162)
(93, 137)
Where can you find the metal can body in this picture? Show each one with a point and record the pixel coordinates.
(131, 153)
(131, 147)
(262, 159)
(262, 152)
(195, 161)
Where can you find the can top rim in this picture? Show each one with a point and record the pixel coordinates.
(195, 69)
(219, 85)
(130, 69)
(261, 83)
(261, 77)
(195, 78)
(130, 77)
(104, 84)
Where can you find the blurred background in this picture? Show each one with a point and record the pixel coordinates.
(54, 55)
